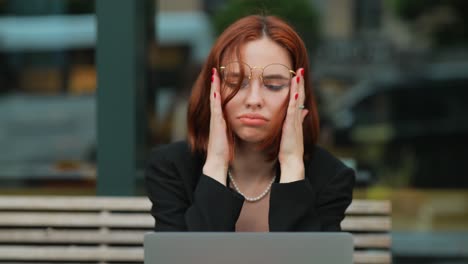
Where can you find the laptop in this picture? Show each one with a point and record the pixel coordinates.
(248, 248)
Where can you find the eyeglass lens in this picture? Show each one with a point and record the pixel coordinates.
(274, 76)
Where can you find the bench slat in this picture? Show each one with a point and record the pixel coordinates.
(137, 204)
(72, 236)
(383, 241)
(371, 257)
(74, 203)
(350, 223)
(77, 220)
(70, 253)
(86, 253)
(369, 207)
(134, 237)
(366, 223)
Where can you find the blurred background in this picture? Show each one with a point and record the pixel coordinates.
(391, 78)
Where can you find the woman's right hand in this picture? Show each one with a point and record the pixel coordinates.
(217, 157)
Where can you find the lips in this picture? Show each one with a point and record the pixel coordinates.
(253, 119)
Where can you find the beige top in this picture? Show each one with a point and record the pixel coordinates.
(254, 216)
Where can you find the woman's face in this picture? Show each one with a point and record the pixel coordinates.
(252, 111)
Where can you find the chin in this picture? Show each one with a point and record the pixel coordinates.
(251, 140)
(251, 136)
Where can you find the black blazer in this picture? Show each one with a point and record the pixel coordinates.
(186, 200)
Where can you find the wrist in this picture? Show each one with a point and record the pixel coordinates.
(216, 169)
(292, 171)
(291, 162)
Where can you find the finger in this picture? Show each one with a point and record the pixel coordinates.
(300, 87)
(216, 94)
(293, 94)
(304, 114)
(212, 90)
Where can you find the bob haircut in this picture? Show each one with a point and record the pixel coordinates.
(230, 43)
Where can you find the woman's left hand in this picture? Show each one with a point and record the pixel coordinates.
(291, 150)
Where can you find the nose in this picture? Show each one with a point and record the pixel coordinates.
(254, 97)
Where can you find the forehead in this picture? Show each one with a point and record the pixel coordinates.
(262, 52)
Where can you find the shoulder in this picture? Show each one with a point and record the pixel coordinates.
(326, 160)
(172, 151)
(323, 166)
(175, 158)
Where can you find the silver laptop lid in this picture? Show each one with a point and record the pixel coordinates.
(246, 248)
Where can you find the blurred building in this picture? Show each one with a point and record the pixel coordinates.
(47, 51)
(395, 103)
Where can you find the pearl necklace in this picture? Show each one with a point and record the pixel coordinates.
(251, 199)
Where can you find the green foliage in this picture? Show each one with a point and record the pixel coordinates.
(80, 7)
(2, 7)
(298, 13)
(450, 34)
(409, 10)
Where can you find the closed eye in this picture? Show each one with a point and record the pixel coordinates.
(236, 79)
(276, 82)
(275, 87)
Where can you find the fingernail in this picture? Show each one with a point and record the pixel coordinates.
(212, 78)
(213, 70)
(302, 72)
(298, 79)
(214, 95)
(296, 96)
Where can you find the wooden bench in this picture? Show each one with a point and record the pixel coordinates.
(110, 229)
(370, 223)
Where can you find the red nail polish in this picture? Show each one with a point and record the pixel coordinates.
(212, 78)
(296, 96)
(302, 72)
(213, 71)
(214, 95)
(298, 79)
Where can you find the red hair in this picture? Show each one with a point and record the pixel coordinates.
(230, 42)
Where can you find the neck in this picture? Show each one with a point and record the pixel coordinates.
(250, 165)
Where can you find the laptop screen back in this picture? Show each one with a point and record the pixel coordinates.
(244, 248)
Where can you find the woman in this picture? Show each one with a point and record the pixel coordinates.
(251, 162)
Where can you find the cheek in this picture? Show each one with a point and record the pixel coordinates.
(226, 92)
(231, 107)
(235, 102)
(279, 100)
